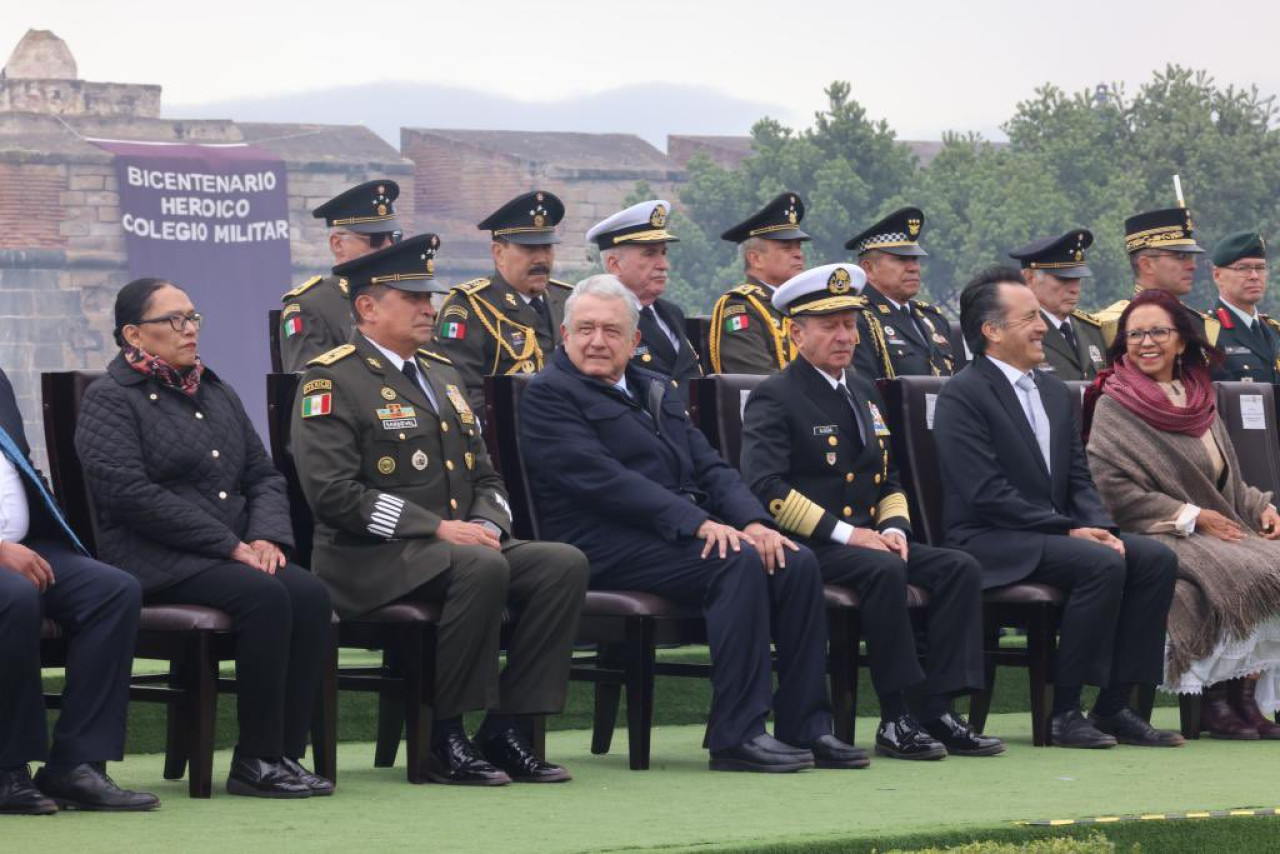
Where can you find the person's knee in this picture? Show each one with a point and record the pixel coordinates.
(482, 572)
(966, 571)
(20, 604)
(309, 597)
(121, 588)
(1151, 562)
(570, 565)
(884, 570)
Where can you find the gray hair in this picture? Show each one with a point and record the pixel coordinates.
(751, 244)
(604, 286)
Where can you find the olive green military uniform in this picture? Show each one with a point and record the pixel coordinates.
(382, 467)
(315, 319)
(748, 335)
(487, 329)
(1085, 359)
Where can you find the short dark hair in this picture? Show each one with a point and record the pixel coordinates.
(375, 291)
(133, 302)
(980, 303)
(1199, 350)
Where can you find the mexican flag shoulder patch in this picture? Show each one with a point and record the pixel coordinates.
(317, 404)
(453, 329)
(736, 323)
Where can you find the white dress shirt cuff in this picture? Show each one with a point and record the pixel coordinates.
(1184, 524)
(841, 533)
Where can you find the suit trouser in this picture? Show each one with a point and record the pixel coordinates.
(741, 604)
(545, 584)
(282, 624)
(953, 579)
(97, 605)
(1113, 623)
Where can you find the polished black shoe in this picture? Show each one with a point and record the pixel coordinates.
(264, 778)
(830, 752)
(320, 787)
(509, 752)
(904, 738)
(19, 796)
(764, 753)
(87, 787)
(1127, 728)
(1072, 729)
(959, 738)
(458, 762)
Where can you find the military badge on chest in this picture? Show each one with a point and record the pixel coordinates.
(419, 460)
(398, 417)
(459, 401)
(642, 353)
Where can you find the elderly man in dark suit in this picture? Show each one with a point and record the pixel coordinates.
(618, 471)
(45, 571)
(1019, 498)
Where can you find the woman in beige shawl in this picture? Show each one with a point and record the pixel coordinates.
(1165, 467)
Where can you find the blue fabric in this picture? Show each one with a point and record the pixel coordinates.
(19, 460)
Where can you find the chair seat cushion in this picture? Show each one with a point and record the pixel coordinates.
(1024, 594)
(632, 603)
(183, 618)
(401, 612)
(847, 597)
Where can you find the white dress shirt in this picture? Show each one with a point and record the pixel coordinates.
(398, 361)
(15, 515)
(1013, 375)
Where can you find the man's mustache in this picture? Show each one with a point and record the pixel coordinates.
(539, 270)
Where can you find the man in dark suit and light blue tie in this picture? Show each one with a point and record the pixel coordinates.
(1019, 498)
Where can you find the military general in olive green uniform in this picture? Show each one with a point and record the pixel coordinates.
(1249, 338)
(1053, 267)
(317, 314)
(748, 335)
(408, 506)
(508, 323)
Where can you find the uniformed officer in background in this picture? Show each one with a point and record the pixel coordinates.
(1053, 268)
(748, 335)
(901, 335)
(1250, 339)
(508, 323)
(408, 506)
(815, 451)
(317, 314)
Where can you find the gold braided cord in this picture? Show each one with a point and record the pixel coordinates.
(531, 347)
(775, 330)
(717, 329)
(893, 506)
(877, 340)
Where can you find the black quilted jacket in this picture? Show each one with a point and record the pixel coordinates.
(177, 481)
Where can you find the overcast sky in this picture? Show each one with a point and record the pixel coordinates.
(926, 67)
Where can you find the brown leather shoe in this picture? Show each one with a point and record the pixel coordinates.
(1217, 716)
(1243, 702)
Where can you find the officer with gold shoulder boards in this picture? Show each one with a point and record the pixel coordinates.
(748, 335)
(1053, 268)
(508, 323)
(1249, 338)
(408, 506)
(816, 452)
(317, 314)
(901, 335)
(1162, 254)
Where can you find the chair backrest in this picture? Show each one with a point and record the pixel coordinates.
(910, 401)
(1077, 388)
(282, 389)
(1249, 412)
(61, 393)
(273, 336)
(715, 406)
(502, 431)
(698, 330)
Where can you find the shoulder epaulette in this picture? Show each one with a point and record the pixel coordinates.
(747, 289)
(560, 283)
(927, 306)
(1270, 321)
(1111, 312)
(474, 286)
(338, 353)
(1086, 317)
(302, 288)
(432, 355)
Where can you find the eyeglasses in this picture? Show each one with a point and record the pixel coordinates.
(177, 322)
(377, 238)
(1249, 269)
(1159, 335)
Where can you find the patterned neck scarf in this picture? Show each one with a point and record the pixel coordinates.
(187, 382)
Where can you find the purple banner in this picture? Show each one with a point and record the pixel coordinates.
(213, 219)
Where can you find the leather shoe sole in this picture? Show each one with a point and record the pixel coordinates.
(733, 764)
(44, 806)
(834, 763)
(240, 787)
(435, 775)
(932, 753)
(990, 750)
(552, 775)
(64, 804)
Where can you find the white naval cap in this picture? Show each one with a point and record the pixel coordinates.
(822, 290)
(642, 223)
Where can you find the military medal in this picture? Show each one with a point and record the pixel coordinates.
(465, 415)
(419, 460)
(398, 417)
(888, 330)
(1094, 355)
(831, 458)
(386, 465)
(877, 421)
(470, 459)
(388, 393)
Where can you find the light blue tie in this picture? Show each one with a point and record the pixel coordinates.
(19, 461)
(1037, 416)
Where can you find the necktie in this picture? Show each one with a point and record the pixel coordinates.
(1070, 335)
(1039, 419)
(410, 370)
(539, 305)
(857, 414)
(649, 312)
(20, 462)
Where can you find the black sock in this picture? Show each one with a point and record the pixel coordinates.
(495, 724)
(1066, 698)
(443, 728)
(892, 705)
(931, 707)
(1112, 700)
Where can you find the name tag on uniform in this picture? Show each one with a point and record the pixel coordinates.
(1236, 351)
(398, 417)
(825, 430)
(877, 420)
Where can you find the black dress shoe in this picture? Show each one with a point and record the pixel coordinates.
(1127, 728)
(959, 739)
(904, 738)
(19, 796)
(320, 787)
(264, 778)
(1072, 729)
(830, 752)
(509, 752)
(87, 787)
(764, 753)
(458, 762)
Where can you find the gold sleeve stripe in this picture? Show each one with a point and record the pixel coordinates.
(892, 507)
(796, 514)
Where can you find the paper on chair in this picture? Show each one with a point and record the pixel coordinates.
(1252, 414)
(930, 402)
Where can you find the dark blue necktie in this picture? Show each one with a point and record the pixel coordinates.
(20, 463)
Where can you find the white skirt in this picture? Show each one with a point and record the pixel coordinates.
(1231, 659)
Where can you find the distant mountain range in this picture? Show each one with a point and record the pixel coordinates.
(650, 111)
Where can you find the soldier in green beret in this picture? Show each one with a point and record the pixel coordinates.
(1249, 338)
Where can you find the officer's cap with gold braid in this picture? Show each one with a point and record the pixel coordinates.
(1061, 256)
(409, 265)
(1170, 229)
(822, 290)
(365, 209)
(638, 224)
(529, 220)
(897, 234)
(778, 220)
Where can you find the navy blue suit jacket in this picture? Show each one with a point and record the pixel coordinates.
(605, 468)
(999, 501)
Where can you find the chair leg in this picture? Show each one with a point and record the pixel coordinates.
(204, 705)
(324, 720)
(980, 702)
(1040, 648)
(417, 659)
(391, 717)
(607, 697)
(842, 667)
(1144, 701)
(177, 713)
(1189, 712)
(639, 686)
